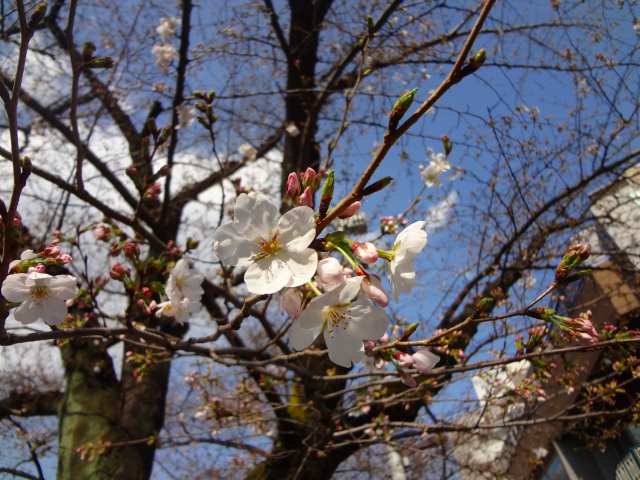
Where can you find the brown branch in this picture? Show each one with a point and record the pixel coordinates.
(390, 138)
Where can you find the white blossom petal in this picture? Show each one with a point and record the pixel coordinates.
(231, 247)
(302, 265)
(52, 312)
(301, 337)
(343, 348)
(297, 228)
(349, 290)
(367, 321)
(268, 275)
(255, 215)
(14, 287)
(63, 287)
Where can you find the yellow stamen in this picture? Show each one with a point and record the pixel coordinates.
(39, 292)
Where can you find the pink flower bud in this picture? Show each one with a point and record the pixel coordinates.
(65, 258)
(366, 252)
(52, 251)
(291, 302)
(384, 338)
(131, 249)
(372, 288)
(351, 210)
(147, 292)
(293, 185)
(306, 198)
(40, 268)
(330, 273)
(308, 177)
(404, 359)
(153, 191)
(424, 360)
(102, 232)
(119, 271)
(17, 221)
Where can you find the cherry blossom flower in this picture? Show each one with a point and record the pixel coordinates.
(437, 166)
(43, 296)
(408, 244)
(424, 360)
(344, 320)
(273, 247)
(164, 54)
(167, 27)
(184, 291)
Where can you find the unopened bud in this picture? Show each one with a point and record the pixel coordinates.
(447, 145)
(366, 252)
(192, 243)
(573, 257)
(400, 108)
(101, 62)
(37, 15)
(293, 185)
(327, 194)
(308, 177)
(88, 50)
(306, 199)
(377, 186)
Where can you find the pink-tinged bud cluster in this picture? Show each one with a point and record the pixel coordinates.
(119, 271)
(351, 210)
(131, 249)
(153, 191)
(173, 250)
(17, 221)
(40, 268)
(366, 252)
(300, 187)
(583, 329)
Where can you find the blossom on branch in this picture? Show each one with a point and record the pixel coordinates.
(408, 244)
(43, 296)
(184, 291)
(345, 318)
(273, 247)
(437, 166)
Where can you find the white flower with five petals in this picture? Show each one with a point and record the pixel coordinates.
(273, 247)
(408, 244)
(344, 320)
(43, 296)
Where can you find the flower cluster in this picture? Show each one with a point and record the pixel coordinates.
(41, 296)
(343, 304)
